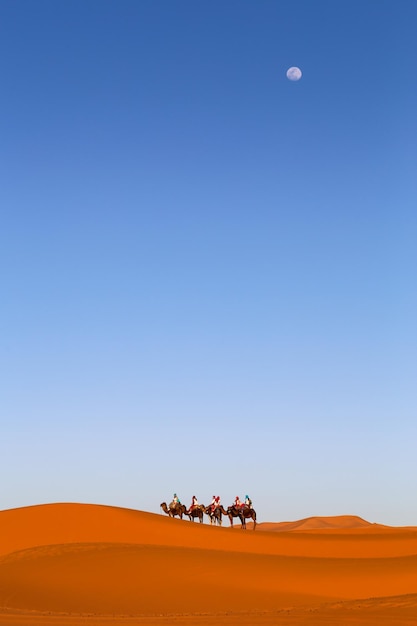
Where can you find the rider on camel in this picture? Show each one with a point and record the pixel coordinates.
(194, 503)
(214, 503)
(248, 502)
(237, 503)
(176, 500)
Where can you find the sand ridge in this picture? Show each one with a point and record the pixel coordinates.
(316, 523)
(64, 560)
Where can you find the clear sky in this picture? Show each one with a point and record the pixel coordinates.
(208, 272)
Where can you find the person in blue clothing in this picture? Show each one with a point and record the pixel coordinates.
(248, 501)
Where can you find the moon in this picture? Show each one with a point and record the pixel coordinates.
(294, 73)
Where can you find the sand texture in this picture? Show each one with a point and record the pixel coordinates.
(67, 564)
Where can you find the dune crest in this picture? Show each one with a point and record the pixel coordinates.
(317, 523)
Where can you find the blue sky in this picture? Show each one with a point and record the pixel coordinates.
(208, 272)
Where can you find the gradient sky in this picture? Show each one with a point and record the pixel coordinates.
(208, 272)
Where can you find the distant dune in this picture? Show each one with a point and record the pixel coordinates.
(316, 523)
(67, 564)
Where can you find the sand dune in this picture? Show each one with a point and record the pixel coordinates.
(316, 523)
(73, 563)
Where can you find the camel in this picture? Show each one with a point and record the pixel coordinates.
(243, 514)
(197, 511)
(216, 515)
(174, 509)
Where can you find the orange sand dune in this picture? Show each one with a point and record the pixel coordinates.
(316, 523)
(73, 563)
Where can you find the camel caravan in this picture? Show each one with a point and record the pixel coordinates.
(215, 511)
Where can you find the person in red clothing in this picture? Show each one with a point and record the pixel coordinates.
(194, 503)
(237, 503)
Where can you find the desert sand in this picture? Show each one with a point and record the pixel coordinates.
(68, 564)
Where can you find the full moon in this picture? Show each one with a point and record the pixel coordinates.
(294, 73)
